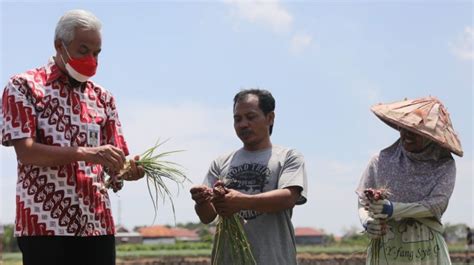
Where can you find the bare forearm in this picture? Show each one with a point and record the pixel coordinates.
(272, 201)
(31, 153)
(206, 212)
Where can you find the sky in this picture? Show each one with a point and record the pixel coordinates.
(174, 67)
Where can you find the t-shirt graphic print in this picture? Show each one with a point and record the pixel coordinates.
(249, 178)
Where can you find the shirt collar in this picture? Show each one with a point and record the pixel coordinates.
(54, 73)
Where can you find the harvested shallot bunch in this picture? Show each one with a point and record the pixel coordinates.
(230, 230)
(376, 244)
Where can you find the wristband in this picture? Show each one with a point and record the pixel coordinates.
(388, 209)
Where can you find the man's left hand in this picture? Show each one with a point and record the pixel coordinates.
(136, 172)
(228, 204)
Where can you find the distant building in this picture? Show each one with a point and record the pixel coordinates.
(183, 234)
(123, 236)
(309, 236)
(159, 234)
(128, 238)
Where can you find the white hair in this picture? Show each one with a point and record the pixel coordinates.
(75, 19)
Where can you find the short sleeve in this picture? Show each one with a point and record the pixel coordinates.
(294, 174)
(19, 115)
(112, 130)
(213, 174)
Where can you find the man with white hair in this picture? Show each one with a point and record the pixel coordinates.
(67, 135)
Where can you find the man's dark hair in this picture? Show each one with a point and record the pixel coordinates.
(266, 102)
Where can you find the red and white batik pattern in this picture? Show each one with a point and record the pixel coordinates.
(62, 200)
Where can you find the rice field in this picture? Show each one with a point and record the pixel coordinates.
(138, 256)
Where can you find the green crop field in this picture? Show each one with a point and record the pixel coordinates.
(150, 251)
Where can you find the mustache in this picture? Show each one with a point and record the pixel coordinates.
(245, 132)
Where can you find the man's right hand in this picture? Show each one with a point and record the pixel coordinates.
(376, 228)
(107, 155)
(201, 194)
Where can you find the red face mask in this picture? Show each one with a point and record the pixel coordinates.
(80, 69)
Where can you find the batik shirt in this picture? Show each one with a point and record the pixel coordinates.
(65, 200)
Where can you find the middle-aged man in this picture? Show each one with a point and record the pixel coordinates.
(67, 135)
(263, 183)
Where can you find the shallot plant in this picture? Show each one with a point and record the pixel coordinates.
(156, 171)
(376, 244)
(230, 230)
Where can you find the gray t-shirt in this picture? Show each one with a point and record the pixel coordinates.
(271, 235)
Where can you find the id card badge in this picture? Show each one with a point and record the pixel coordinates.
(93, 134)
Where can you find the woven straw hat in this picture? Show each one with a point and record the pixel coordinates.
(424, 116)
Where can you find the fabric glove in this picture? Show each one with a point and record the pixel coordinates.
(375, 228)
(364, 212)
(380, 209)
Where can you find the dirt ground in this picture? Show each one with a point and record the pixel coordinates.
(303, 259)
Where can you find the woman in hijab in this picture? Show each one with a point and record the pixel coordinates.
(418, 173)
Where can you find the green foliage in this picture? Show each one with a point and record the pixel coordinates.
(355, 239)
(177, 246)
(163, 253)
(330, 249)
(455, 233)
(192, 226)
(340, 248)
(329, 239)
(205, 235)
(9, 241)
(208, 238)
(11, 258)
(202, 229)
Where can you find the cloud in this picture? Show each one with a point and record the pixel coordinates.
(299, 42)
(270, 14)
(463, 47)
